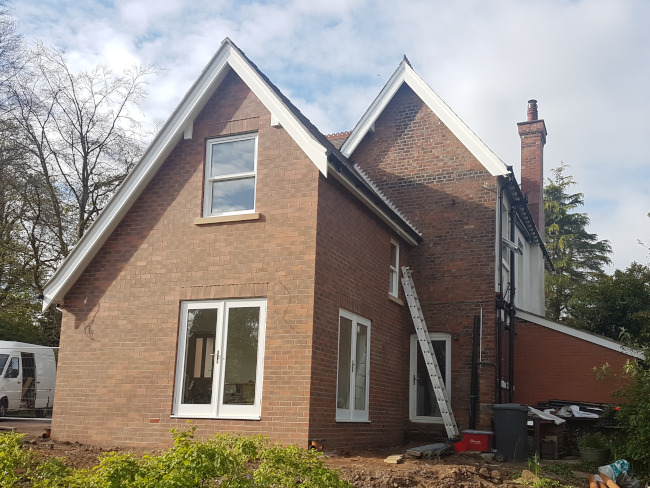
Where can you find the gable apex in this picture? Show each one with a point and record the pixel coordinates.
(404, 74)
(178, 125)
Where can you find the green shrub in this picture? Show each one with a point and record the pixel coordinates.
(634, 416)
(227, 461)
(14, 461)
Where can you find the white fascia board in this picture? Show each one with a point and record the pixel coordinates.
(405, 74)
(367, 121)
(81, 255)
(373, 207)
(580, 334)
(314, 150)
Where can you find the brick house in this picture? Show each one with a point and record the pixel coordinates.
(245, 276)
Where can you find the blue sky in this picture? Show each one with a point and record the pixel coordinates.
(586, 62)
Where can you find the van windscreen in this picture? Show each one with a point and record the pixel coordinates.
(3, 360)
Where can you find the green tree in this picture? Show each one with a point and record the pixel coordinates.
(616, 306)
(577, 255)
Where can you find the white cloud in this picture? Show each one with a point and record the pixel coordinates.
(584, 60)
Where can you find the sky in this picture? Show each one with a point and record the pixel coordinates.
(587, 62)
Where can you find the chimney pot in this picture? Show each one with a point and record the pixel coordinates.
(532, 110)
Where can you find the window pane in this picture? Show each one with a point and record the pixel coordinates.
(12, 369)
(3, 361)
(427, 404)
(393, 256)
(241, 356)
(201, 326)
(361, 368)
(233, 195)
(209, 348)
(345, 349)
(233, 157)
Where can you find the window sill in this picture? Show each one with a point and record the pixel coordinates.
(346, 421)
(227, 218)
(212, 417)
(393, 298)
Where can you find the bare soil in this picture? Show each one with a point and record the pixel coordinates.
(364, 469)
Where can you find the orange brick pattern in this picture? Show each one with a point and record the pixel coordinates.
(552, 365)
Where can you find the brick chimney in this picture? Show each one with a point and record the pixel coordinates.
(533, 137)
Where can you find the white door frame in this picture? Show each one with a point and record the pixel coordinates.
(415, 351)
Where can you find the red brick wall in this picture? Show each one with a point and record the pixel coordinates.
(533, 138)
(120, 324)
(450, 197)
(352, 273)
(553, 365)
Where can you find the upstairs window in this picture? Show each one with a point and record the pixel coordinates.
(230, 175)
(393, 285)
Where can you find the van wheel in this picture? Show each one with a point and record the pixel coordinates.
(3, 407)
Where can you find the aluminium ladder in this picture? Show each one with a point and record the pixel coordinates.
(429, 356)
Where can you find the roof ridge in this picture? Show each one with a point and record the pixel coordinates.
(338, 135)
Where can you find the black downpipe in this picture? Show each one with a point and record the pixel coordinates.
(497, 316)
(511, 313)
(473, 396)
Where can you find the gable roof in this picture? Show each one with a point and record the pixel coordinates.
(405, 74)
(580, 334)
(180, 124)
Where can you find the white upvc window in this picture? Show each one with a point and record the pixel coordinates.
(352, 387)
(393, 286)
(220, 359)
(505, 234)
(230, 175)
(423, 405)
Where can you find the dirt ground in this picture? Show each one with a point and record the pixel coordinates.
(364, 469)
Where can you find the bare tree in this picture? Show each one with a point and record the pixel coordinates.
(82, 135)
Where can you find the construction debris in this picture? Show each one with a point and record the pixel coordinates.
(431, 451)
(395, 459)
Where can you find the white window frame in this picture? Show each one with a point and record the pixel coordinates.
(216, 408)
(505, 233)
(413, 370)
(207, 188)
(393, 286)
(351, 414)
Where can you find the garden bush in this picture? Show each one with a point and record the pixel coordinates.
(228, 461)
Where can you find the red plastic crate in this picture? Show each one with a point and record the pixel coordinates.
(478, 440)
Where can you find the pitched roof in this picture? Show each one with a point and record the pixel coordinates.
(405, 74)
(580, 334)
(180, 124)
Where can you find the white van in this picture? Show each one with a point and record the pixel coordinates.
(27, 377)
